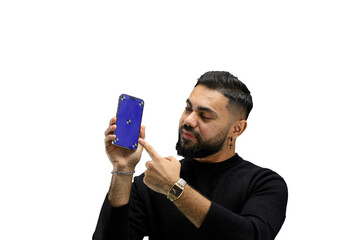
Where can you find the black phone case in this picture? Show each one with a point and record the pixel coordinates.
(128, 121)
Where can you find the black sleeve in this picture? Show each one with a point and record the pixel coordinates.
(113, 222)
(125, 223)
(261, 217)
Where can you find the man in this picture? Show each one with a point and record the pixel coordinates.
(212, 193)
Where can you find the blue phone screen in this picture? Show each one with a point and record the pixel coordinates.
(128, 121)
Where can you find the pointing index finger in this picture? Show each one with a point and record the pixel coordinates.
(150, 150)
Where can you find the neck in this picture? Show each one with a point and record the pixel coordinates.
(218, 157)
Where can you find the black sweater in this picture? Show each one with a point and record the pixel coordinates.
(247, 202)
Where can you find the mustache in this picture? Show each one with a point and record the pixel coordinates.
(190, 130)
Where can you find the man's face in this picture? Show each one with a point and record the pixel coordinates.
(204, 125)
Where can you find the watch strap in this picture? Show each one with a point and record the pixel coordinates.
(182, 182)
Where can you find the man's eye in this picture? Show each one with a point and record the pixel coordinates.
(204, 117)
(187, 109)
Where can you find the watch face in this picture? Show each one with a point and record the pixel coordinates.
(176, 191)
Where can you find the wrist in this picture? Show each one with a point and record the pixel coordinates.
(122, 170)
(117, 168)
(168, 185)
(177, 190)
(122, 173)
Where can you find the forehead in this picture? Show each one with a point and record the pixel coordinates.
(204, 97)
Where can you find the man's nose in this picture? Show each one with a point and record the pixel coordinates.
(191, 120)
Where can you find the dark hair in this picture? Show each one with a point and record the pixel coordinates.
(231, 87)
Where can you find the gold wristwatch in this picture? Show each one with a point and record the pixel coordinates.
(177, 190)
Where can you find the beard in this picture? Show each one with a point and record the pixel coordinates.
(200, 149)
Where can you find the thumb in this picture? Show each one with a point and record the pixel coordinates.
(171, 158)
(142, 131)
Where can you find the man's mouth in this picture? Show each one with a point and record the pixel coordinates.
(187, 135)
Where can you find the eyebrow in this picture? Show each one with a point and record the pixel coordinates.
(203, 109)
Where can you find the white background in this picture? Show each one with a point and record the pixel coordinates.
(63, 65)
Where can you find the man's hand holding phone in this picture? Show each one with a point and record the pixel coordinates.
(122, 159)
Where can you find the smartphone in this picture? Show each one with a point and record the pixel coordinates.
(128, 121)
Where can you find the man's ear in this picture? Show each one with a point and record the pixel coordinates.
(239, 127)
